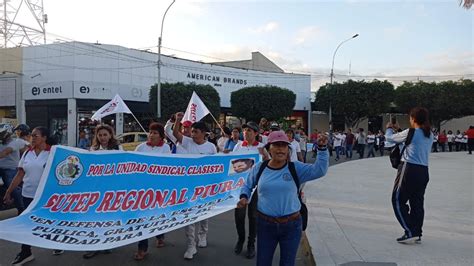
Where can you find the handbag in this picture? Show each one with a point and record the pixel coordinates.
(396, 154)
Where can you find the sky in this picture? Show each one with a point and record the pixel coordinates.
(398, 40)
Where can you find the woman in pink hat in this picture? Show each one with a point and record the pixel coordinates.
(279, 220)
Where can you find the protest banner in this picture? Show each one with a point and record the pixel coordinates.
(96, 201)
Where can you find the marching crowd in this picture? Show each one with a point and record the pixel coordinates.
(277, 218)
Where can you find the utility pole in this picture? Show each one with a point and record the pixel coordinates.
(158, 84)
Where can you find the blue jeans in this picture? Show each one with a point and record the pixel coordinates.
(338, 151)
(349, 151)
(269, 235)
(7, 177)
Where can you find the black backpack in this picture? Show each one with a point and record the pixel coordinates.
(396, 154)
(291, 167)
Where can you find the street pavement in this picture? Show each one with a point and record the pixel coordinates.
(352, 222)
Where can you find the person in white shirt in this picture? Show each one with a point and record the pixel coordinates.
(370, 144)
(337, 140)
(451, 138)
(196, 144)
(30, 171)
(156, 145)
(295, 149)
(303, 146)
(249, 143)
(225, 136)
(458, 140)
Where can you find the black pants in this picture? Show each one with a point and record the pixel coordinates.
(361, 150)
(470, 144)
(434, 148)
(450, 146)
(409, 187)
(26, 203)
(240, 220)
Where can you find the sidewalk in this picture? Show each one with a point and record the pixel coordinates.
(352, 223)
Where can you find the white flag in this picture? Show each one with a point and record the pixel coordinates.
(196, 110)
(116, 105)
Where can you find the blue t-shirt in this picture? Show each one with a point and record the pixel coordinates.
(230, 144)
(419, 149)
(277, 193)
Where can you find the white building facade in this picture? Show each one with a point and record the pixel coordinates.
(61, 84)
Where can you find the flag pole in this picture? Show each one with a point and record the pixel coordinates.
(219, 125)
(138, 122)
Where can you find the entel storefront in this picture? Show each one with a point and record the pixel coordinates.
(64, 83)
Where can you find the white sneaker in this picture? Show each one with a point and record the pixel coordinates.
(188, 255)
(202, 243)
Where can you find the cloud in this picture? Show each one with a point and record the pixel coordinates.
(268, 27)
(310, 33)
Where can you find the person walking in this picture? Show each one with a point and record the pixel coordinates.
(30, 170)
(295, 153)
(104, 139)
(9, 158)
(361, 142)
(381, 142)
(349, 143)
(370, 144)
(337, 142)
(451, 138)
(83, 142)
(278, 210)
(412, 176)
(155, 145)
(470, 138)
(196, 144)
(250, 143)
(458, 140)
(434, 147)
(442, 140)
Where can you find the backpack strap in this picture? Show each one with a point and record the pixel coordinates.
(291, 167)
(411, 132)
(260, 170)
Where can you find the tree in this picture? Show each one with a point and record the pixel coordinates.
(175, 98)
(256, 102)
(444, 100)
(355, 100)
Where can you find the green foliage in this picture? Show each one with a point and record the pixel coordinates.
(271, 102)
(355, 100)
(175, 98)
(444, 100)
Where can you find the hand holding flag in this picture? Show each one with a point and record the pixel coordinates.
(196, 110)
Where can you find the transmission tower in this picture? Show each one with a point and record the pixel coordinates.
(22, 23)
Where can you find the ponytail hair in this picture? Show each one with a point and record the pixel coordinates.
(50, 140)
(421, 116)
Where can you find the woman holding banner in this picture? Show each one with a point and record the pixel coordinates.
(104, 139)
(155, 145)
(30, 170)
(278, 210)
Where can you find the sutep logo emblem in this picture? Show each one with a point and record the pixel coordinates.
(69, 170)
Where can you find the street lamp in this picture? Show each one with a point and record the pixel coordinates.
(332, 76)
(158, 84)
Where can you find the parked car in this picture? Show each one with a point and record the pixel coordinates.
(131, 140)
